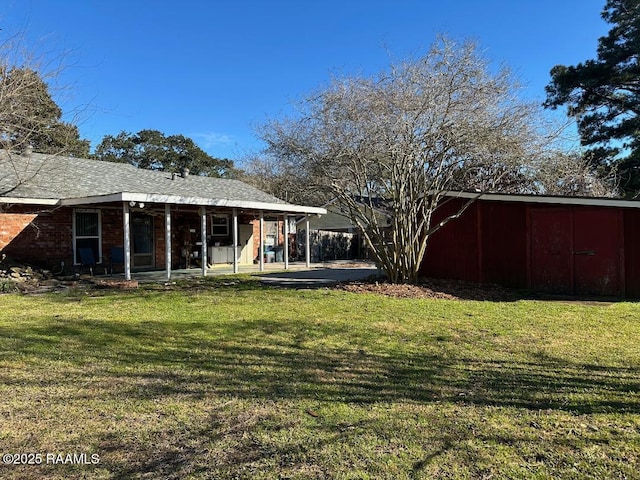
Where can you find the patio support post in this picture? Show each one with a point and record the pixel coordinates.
(307, 242)
(167, 238)
(127, 240)
(261, 246)
(286, 241)
(203, 240)
(235, 240)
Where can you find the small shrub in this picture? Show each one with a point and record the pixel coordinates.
(8, 286)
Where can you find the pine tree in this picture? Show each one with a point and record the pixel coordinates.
(29, 116)
(603, 95)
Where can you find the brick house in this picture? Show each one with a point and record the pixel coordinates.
(52, 208)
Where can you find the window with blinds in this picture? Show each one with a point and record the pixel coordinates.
(87, 233)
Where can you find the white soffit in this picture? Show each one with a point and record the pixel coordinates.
(196, 201)
(30, 201)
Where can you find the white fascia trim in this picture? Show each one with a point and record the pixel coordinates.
(30, 201)
(199, 201)
(596, 202)
(115, 197)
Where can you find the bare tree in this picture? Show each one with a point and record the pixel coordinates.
(571, 174)
(389, 147)
(270, 175)
(30, 120)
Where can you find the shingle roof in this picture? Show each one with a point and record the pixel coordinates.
(39, 176)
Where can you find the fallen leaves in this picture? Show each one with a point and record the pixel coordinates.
(434, 289)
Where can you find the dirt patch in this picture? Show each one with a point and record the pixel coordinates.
(398, 291)
(116, 284)
(435, 288)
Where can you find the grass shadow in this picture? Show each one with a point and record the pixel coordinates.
(80, 359)
(176, 359)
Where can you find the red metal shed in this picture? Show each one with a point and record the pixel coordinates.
(564, 245)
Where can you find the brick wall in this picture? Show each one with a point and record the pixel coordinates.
(112, 226)
(113, 235)
(159, 240)
(36, 235)
(256, 234)
(45, 237)
(256, 238)
(12, 225)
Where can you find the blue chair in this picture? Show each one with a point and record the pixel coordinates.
(87, 259)
(116, 257)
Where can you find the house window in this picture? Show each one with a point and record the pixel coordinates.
(220, 225)
(87, 233)
(270, 234)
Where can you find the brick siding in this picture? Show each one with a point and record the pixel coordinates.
(37, 236)
(44, 237)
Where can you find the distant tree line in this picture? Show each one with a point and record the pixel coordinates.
(153, 150)
(30, 117)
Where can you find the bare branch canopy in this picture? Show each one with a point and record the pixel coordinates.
(389, 146)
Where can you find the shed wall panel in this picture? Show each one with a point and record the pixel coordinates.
(561, 249)
(632, 252)
(597, 251)
(503, 232)
(551, 250)
(453, 250)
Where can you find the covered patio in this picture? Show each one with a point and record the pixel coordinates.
(208, 210)
(66, 213)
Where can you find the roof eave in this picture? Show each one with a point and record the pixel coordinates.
(30, 201)
(586, 201)
(196, 201)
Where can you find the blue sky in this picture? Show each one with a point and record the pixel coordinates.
(212, 70)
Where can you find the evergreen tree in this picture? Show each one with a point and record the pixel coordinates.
(604, 96)
(29, 116)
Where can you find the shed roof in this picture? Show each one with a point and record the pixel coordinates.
(547, 199)
(52, 179)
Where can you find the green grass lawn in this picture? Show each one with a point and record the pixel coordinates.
(234, 380)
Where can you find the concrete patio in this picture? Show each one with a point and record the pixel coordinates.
(298, 275)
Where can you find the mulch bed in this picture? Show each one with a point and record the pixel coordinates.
(436, 289)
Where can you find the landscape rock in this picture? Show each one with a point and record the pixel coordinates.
(15, 276)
